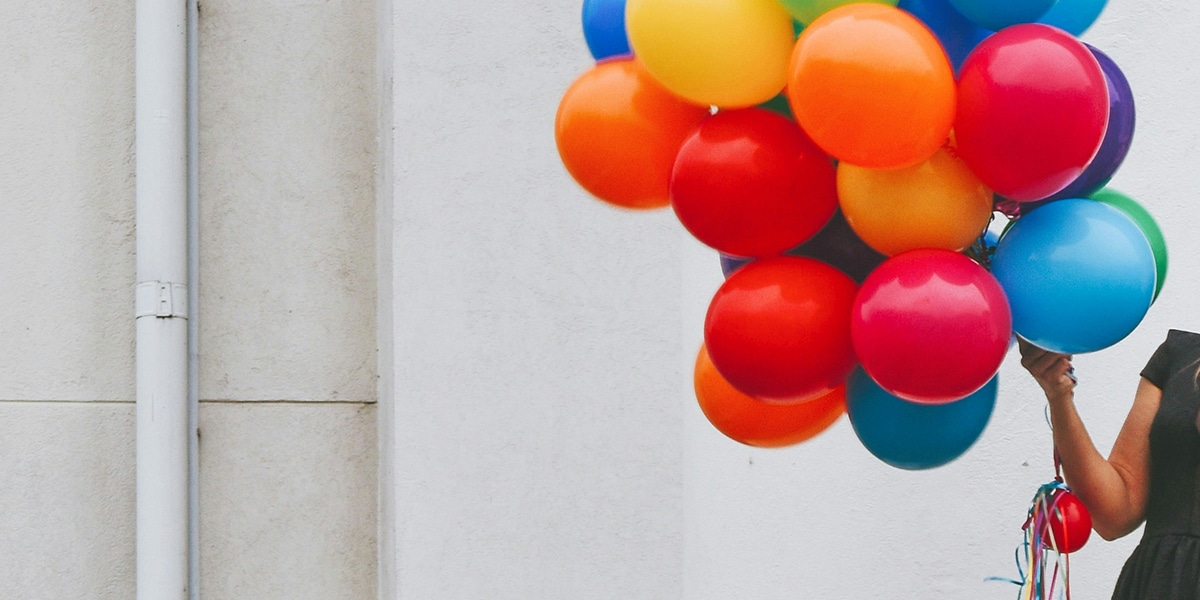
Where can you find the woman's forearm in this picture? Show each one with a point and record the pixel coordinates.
(1097, 482)
(1114, 490)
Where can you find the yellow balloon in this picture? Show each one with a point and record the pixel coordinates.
(728, 53)
(939, 203)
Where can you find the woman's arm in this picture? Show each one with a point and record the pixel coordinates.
(1113, 490)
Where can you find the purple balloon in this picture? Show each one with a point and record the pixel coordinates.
(1117, 138)
(835, 244)
(731, 263)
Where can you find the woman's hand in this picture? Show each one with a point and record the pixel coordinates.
(1051, 370)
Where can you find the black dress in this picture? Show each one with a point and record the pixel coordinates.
(1166, 563)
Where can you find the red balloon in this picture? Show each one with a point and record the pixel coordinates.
(751, 183)
(1032, 111)
(779, 328)
(756, 423)
(931, 325)
(1069, 524)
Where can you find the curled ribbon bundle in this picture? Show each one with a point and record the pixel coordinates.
(1056, 525)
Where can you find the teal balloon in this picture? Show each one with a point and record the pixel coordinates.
(912, 436)
(1145, 222)
(1074, 16)
(1079, 275)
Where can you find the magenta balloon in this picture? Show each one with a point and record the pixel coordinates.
(930, 325)
(1032, 111)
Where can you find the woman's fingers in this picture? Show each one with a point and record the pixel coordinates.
(1047, 366)
(1052, 370)
(1041, 360)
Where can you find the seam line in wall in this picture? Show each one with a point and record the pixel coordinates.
(131, 402)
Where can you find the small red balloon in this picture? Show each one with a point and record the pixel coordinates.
(751, 183)
(1069, 524)
(931, 325)
(779, 328)
(1032, 110)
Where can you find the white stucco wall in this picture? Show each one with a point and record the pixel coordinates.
(288, 450)
(287, 299)
(547, 440)
(538, 431)
(66, 355)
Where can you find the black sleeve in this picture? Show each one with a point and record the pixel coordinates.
(1158, 369)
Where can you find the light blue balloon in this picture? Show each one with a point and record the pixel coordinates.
(604, 28)
(995, 15)
(1079, 275)
(1074, 16)
(913, 436)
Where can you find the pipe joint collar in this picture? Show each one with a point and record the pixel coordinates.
(161, 299)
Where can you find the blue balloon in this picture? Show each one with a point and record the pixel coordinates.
(1074, 16)
(957, 33)
(915, 436)
(604, 28)
(991, 238)
(1079, 275)
(996, 15)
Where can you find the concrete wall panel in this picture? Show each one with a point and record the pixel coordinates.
(66, 200)
(287, 501)
(289, 114)
(287, 169)
(66, 500)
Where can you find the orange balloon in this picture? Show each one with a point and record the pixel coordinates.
(754, 422)
(618, 131)
(872, 86)
(939, 203)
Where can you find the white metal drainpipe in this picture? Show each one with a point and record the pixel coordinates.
(193, 266)
(161, 298)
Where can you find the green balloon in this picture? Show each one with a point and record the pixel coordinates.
(1146, 223)
(779, 104)
(805, 11)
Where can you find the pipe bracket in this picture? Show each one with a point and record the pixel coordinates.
(161, 299)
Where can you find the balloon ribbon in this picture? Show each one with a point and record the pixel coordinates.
(1039, 568)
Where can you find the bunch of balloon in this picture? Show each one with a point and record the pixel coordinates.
(845, 160)
(1046, 121)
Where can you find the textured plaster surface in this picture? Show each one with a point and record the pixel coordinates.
(547, 438)
(66, 500)
(537, 420)
(66, 200)
(287, 501)
(287, 293)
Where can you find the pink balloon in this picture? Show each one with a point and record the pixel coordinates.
(931, 326)
(1032, 111)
